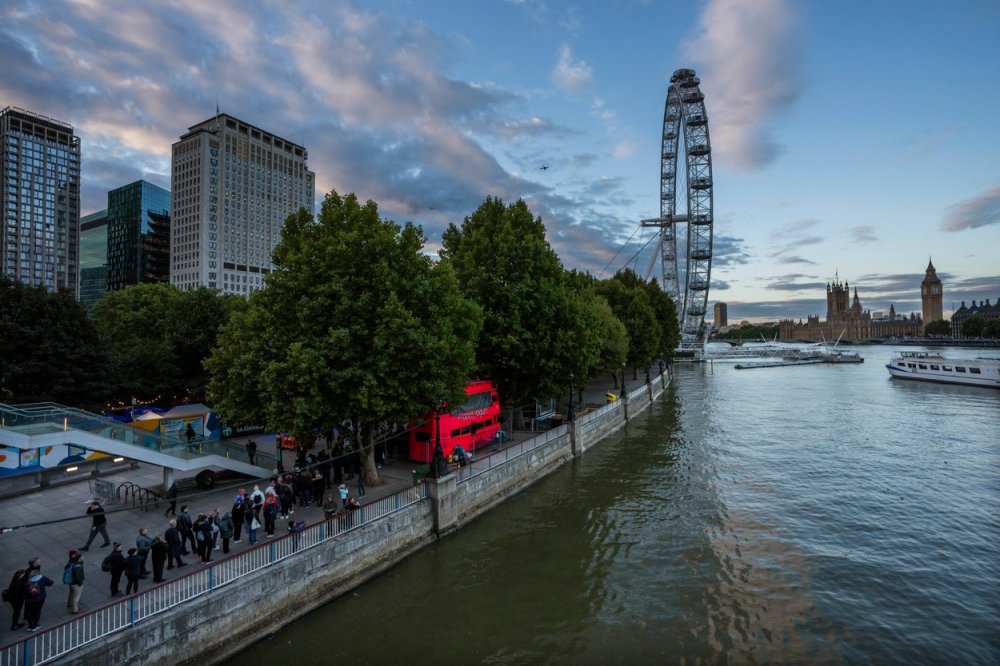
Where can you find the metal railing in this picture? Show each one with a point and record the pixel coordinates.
(58, 640)
(480, 465)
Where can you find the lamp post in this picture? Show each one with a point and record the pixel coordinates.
(570, 414)
(439, 468)
(623, 379)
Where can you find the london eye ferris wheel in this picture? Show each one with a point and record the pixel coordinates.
(684, 115)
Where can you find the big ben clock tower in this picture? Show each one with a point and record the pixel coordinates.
(931, 296)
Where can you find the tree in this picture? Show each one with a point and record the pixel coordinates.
(973, 327)
(355, 322)
(51, 350)
(506, 266)
(992, 328)
(937, 328)
(159, 337)
(629, 300)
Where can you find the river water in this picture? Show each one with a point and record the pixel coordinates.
(807, 514)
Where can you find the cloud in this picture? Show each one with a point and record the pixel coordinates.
(794, 259)
(863, 234)
(978, 211)
(571, 76)
(751, 55)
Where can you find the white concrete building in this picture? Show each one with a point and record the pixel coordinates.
(233, 186)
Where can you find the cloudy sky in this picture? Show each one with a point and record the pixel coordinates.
(851, 139)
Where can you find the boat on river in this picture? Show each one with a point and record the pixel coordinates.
(935, 367)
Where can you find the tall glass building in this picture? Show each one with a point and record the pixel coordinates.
(138, 235)
(93, 257)
(233, 186)
(39, 200)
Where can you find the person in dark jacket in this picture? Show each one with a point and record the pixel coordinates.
(15, 595)
(99, 525)
(203, 531)
(238, 513)
(158, 551)
(172, 496)
(77, 576)
(133, 569)
(116, 567)
(270, 515)
(186, 527)
(226, 528)
(173, 538)
(34, 594)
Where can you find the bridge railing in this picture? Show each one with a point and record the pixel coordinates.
(515, 450)
(56, 641)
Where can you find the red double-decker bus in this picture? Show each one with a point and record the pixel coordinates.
(475, 421)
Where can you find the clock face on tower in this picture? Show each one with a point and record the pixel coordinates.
(935, 290)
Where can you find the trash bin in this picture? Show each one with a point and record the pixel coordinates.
(205, 479)
(419, 473)
(610, 396)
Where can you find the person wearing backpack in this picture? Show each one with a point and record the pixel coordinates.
(115, 565)
(34, 594)
(73, 575)
(14, 595)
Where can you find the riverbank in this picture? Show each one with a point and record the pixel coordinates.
(329, 558)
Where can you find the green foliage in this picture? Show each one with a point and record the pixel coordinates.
(937, 328)
(531, 324)
(992, 329)
(354, 322)
(629, 298)
(51, 350)
(973, 327)
(158, 337)
(750, 333)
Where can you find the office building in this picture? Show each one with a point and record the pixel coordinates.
(39, 200)
(138, 235)
(233, 186)
(93, 257)
(721, 315)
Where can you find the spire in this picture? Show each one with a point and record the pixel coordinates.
(930, 266)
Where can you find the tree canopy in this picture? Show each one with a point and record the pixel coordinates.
(937, 328)
(158, 337)
(51, 350)
(973, 327)
(355, 322)
(531, 325)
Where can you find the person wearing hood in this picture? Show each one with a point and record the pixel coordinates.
(270, 514)
(258, 501)
(115, 565)
(34, 593)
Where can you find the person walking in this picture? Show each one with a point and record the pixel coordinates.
(226, 527)
(173, 538)
(133, 568)
(74, 576)
(99, 524)
(35, 594)
(252, 451)
(343, 494)
(158, 550)
(186, 527)
(190, 434)
(115, 565)
(361, 485)
(318, 486)
(14, 595)
(143, 544)
(203, 528)
(172, 496)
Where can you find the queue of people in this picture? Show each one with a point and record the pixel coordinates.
(200, 535)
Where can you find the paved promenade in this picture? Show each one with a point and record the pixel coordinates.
(49, 523)
(56, 523)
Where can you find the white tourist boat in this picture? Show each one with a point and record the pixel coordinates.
(934, 367)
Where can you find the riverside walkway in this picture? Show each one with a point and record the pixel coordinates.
(50, 522)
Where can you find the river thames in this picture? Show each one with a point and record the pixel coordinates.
(808, 514)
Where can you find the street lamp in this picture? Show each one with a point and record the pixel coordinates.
(439, 468)
(623, 379)
(570, 414)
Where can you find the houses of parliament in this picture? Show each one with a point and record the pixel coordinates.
(846, 319)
